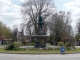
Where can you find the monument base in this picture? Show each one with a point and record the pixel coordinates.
(40, 43)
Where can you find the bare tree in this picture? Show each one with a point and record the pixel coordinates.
(78, 29)
(0, 28)
(60, 26)
(35, 8)
(15, 31)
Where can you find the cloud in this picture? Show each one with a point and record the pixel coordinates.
(4, 5)
(74, 7)
(23, 0)
(10, 16)
(13, 14)
(10, 13)
(16, 22)
(15, 8)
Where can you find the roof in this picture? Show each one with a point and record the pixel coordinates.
(2, 37)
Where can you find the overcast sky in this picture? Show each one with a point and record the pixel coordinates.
(10, 10)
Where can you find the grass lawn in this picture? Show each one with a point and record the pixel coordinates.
(33, 51)
(76, 50)
(29, 51)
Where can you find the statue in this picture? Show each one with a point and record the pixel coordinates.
(40, 23)
(40, 37)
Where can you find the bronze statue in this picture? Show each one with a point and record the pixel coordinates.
(40, 23)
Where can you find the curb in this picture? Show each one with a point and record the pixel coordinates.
(39, 53)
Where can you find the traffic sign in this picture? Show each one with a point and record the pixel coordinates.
(62, 49)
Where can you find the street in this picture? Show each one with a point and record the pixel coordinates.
(39, 57)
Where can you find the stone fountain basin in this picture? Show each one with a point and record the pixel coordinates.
(39, 36)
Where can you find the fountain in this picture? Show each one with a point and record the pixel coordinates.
(41, 36)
